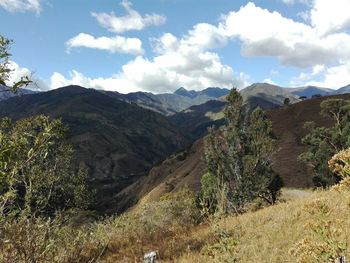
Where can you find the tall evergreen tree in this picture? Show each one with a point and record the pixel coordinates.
(238, 157)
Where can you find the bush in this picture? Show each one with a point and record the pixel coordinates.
(340, 164)
(36, 175)
(42, 240)
(148, 227)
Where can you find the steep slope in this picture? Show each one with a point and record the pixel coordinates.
(117, 142)
(343, 90)
(186, 168)
(181, 169)
(269, 93)
(195, 120)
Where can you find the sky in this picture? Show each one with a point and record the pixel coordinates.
(160, 45)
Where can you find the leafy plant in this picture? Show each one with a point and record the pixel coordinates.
(324, 142)
(36, 175)
(238, 160)
(324, 242)
(5, 70)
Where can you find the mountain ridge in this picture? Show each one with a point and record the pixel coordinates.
(117, 142)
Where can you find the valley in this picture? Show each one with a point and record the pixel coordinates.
(133, 152)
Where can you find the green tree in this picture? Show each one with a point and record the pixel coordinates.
(36, 175)
(286, 101)
(323, 142)
(5, 71)
(238, 157)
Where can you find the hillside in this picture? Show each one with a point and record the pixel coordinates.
(269, 93)
(310, 91)
(342, 90)
(285, 232)
(186, 167)
(195, 120)
(4, 94)
(170, 103)
(117, 142)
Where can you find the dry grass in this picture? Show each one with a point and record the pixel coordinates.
(313, 227)
(267, 235)
(270, 234)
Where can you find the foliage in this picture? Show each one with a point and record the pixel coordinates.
(323, 243)
(152, 226)
(340, 164)
(35, 168)
(323, 142)
(44, 240)
(5, 71)
(223, 248)
(239, 159)
(286, 101)
(208, 196)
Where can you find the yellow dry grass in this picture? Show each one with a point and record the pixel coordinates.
(269, 234)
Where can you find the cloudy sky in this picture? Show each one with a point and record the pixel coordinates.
(161, 45)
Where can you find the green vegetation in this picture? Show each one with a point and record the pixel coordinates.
(45, 200)
(5, 71)
(286, 101)
(37, 184)
(324, 142)
(35, 167)
(238, 161)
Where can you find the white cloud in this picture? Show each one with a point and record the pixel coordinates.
(269, 81)
(292, 2)
(274, 72)
(113, 83)
(187, 61)
(117, 44)
(319, 47)
(265, 33)
(330, 16)
(21, 5)
(334, 77)
(288, 2)
(17, 72)
(132, 21)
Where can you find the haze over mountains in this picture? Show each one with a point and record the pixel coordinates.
(119, 138)
(5, 94)
(170, 103)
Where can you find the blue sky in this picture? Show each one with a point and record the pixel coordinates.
(161, 45)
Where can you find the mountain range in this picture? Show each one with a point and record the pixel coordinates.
(170, 103)
(186, 168)
(6, 94)
(116, 141)
(140, 145)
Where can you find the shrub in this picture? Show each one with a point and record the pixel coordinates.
(42, 240)
(148, 226)
(323, 242)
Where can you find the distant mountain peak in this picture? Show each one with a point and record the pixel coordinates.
(186, 93)
(214, 92)
(181, 89)
(6, 94)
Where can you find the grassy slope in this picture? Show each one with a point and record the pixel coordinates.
(266, 235)
(269, 234)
